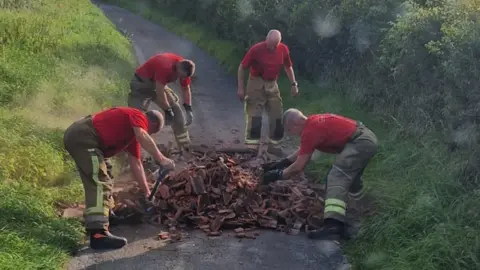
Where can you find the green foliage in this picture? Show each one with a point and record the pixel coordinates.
(60, 60)
(426, 215)
(413, 60)
(32, 236)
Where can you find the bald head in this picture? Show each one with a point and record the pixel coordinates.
(273, 38)
(155, 121)
(293, 121)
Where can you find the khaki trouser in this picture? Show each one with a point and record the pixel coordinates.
(344, 179)
(82, 143)
(143, 92)
(260, 95)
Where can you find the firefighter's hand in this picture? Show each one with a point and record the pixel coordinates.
(276, 165)
(241, 93)
(168, 163)
(168, 116)
(189, 113)
(294, 90)
(271, 176)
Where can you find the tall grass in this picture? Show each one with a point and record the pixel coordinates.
(60, 61)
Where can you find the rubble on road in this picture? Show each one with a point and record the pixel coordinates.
(220, 191)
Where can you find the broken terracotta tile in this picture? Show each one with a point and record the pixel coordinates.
(164, 235)
(238, 230)
(218, 191)
(240, 235)
(214, 233)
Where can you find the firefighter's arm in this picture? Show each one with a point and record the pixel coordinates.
(147, 143)
(187, 95)
(162, 100)
(138, 173)
(297, 167)
(294, 155)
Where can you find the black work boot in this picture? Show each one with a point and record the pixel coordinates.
(332, 230)
(103, 239)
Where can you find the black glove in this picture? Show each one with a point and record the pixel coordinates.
(189, 113)
(281, 164)
(145, 203)
(272, 176)
(168, 116)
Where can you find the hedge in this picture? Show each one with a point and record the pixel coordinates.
(412, 62)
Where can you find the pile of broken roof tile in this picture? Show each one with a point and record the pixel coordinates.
(220, 192)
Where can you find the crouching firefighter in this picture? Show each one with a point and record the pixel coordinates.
(150, 83)
(354, 144)
(103, 135)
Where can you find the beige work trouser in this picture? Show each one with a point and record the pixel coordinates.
(82, 143)
(143, 92)
(263, 95)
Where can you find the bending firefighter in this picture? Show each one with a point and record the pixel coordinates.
(150, 83)
(103, 135)
(265, 60)
(355, 145)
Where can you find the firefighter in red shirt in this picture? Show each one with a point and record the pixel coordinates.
(150, 83)
(265, 60)
(355, 145)
(103, 135)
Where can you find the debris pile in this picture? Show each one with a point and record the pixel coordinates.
(219, 192)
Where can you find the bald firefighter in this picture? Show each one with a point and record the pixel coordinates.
(354, 144)
(265, 60)
(103, 135)
(150, 83)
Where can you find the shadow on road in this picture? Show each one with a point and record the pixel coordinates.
(269, 251)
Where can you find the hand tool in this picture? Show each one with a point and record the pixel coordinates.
(162, 175)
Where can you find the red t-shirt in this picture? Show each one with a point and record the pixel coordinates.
(161, 68)
(326, 133)
(115, 129)
(265, 63)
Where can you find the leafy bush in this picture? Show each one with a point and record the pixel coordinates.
(413, 60)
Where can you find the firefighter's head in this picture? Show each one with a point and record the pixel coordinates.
(155, 121)
(273, 39)
(293, 121)
(185, 68)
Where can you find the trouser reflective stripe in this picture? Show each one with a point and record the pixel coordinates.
(274, 141)
(183, 137)
(253, 127)
(99, 219)
(336, 206)
(98, 208)
(252, 141)
(357, 195)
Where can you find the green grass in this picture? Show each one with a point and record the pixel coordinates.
(60, 60)
(426, 216)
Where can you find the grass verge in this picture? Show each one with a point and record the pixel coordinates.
(61, 60)
(426, 218)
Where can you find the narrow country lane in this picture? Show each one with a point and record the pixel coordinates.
(219, 122)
